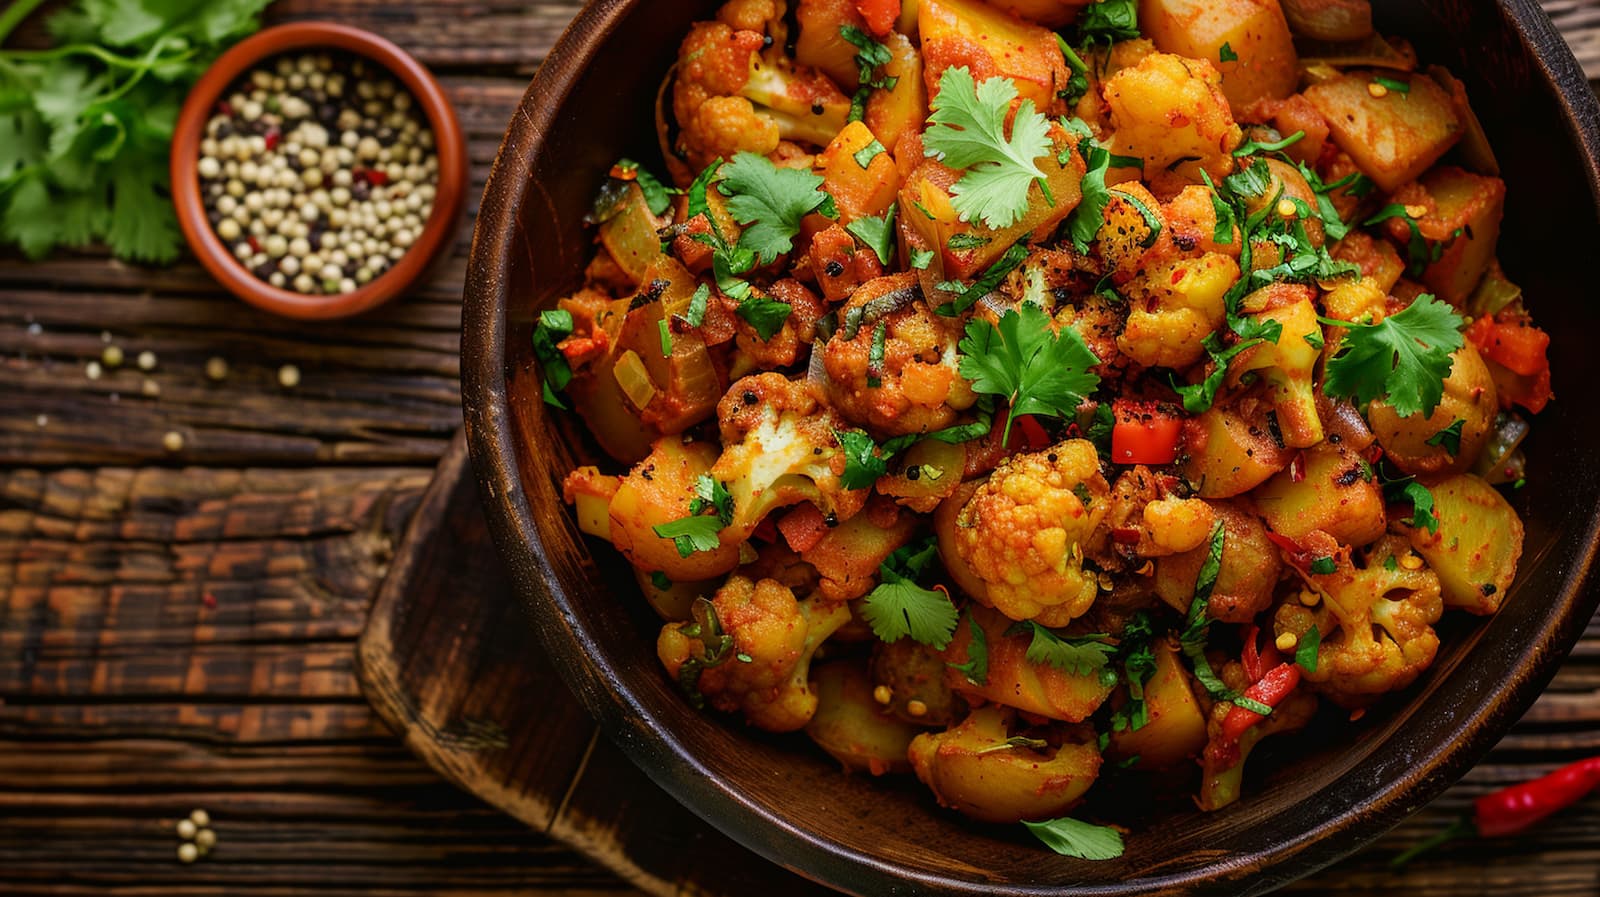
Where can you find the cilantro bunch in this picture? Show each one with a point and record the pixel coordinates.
(86, 126)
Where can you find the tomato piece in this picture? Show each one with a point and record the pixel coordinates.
(803, 527)
(880, 15)
(1144, 433)
(1515, 344)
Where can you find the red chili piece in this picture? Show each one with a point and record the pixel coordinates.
(1511, 810)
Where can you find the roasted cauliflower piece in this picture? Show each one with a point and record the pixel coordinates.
(1173, 307)
(733, 93)
(1222, 771)
(1170, 111)
(919, 386)
(763, 622)
(1023, 530)
(1375, 621)
(974, 769)
(779, 447)
(1286, 366)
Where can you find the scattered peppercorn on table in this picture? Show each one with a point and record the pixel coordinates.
(199, 503)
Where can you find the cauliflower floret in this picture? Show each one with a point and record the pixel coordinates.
(779, 447)
(1223, 761)
(1023, 530)
(1170, 111)
(760, 621)
(1173, 307)
(975, 769)
(730, 96)
(1376, 623)
(1286, 366)
(789, 344)
(919, 388)
(1145, 519)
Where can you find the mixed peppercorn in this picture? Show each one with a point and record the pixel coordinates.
(318, 172)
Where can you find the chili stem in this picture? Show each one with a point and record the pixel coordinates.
(1461, 828)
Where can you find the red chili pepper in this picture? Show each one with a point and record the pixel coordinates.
(1512, 810)
(1297, 467)
(1257, 662)
(1144, 434)
(1270, 690)
(272, 137)
(879, 15)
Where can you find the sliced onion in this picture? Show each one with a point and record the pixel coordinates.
(1329, 20)
(817, 372)
(634, 379)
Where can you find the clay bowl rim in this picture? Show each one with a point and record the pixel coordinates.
(627, 720)
(449, 143)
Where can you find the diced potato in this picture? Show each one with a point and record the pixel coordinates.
(1246, 579)
(1393, 138)
(630, 235)
(848, 555)
(851, 726)
(1379, 261)
(1332, 20)
(1255, 30)
(673, 603)
(944, 528)
(894, 113)
(1476, 549)
(589, 491)
(1016, 681)
(1338, 495)
(1227, 454)
(857, 191)
(1465, 217)
(1469, 397)
(1049, 13)
(819, 43)
(1170, 111)
(1176, 729)
(971, 768)
(927, 208)
(991, 44)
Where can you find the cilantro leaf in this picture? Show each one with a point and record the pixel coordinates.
(1074, 838)
(1079, 656)
(771, 201)
(862, 463)
(554, 326)
(1226, 54)
(1026, 362)
(921, 259)
(1449, 438)
(976, 669)
(1404, 358)
(691, 534)
(1253, 147)
(1421, 506)
(1305, 654)
(898, 607)
(875, 353)
(1110, 20)
(764, 313)
(1084, 222)
(876, 233)
(656, 194)
(967, 130)
(709, 493)
(696, 313)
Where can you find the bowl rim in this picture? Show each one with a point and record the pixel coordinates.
(629, 723)
(449, 143)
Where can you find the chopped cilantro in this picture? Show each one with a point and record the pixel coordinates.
(862, 463)
(1226, 54)
(1074, 838)
(1421, 507)
(875, 355)
(554, 325)
(921, 259)
(665, 328)
(1023, 360)
(771, 201)
(1080, 655)
(692, 534)
(1395, 85)
(967, 131)
(660, 580)
(1404, 358)
(876, 233)
(1449, 438)
(1109, 21)
(962, 241)
(1305, 654)
(1254, 147)
(986, 282)
(656, 194)
(976, 669)
(898, 607)
(764, 313)
(866, 154)
(696, 314)
(1323, 566)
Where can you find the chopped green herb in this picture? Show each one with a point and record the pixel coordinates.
(1257, 147)
(962, 241)
(866, 154)
(985, 284)
(554, 326)
(1070, 837)
(764, 313)
(967, 131)
(1226, 54)
(1449, 438)
(1024, 361)
(875, 355)
(921, 259)
(1323, 566)
(660, 580)
(696, 315)
(898, 607)
(877, 234)
(1405, 358)
(862, 462)
(976, 669)
(1394, 85)
(1305, 654)
(666, 337)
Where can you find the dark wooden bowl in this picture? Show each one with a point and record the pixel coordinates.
(1311, 802)
(215, 255)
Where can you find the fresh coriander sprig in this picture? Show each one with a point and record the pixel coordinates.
(898, 607)
(967, 130)
(1025, 361)
(1405, 358)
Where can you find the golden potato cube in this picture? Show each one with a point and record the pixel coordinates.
(1170, 111)
(1337, 495)
(1392, 138)
(1176, 728)
(990, 43)
(1254, 30)
(1465, 218)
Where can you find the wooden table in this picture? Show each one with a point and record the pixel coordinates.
(176, 630)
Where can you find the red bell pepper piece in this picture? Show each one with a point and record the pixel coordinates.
(1144, 433)
(880, 15)
(803, 527)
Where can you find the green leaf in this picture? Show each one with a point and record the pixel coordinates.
(898, 607)
(862, 463)
(711, 494)
(691, 534)
(1255, 147)
(1226, 54)
(771, 201)
(967, 130)
(921, 259)
(987, 282)
(656, 194)
(696, 313)
(1421, 507)
(764, 313)
(1305, 654)
(1085, 221)
(976, 669)
(877, 233)
(666, 337)
(1078, 656)
(875, 353)
(1109, 20)
(1323, 566)
(866, 154)
(660, 580)
(1073, 838)
(554, 325)
(1395, 85)
(1449, 438)
(1023, 360)
(1404, 358)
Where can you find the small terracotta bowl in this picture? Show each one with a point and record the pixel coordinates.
(241, 59)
